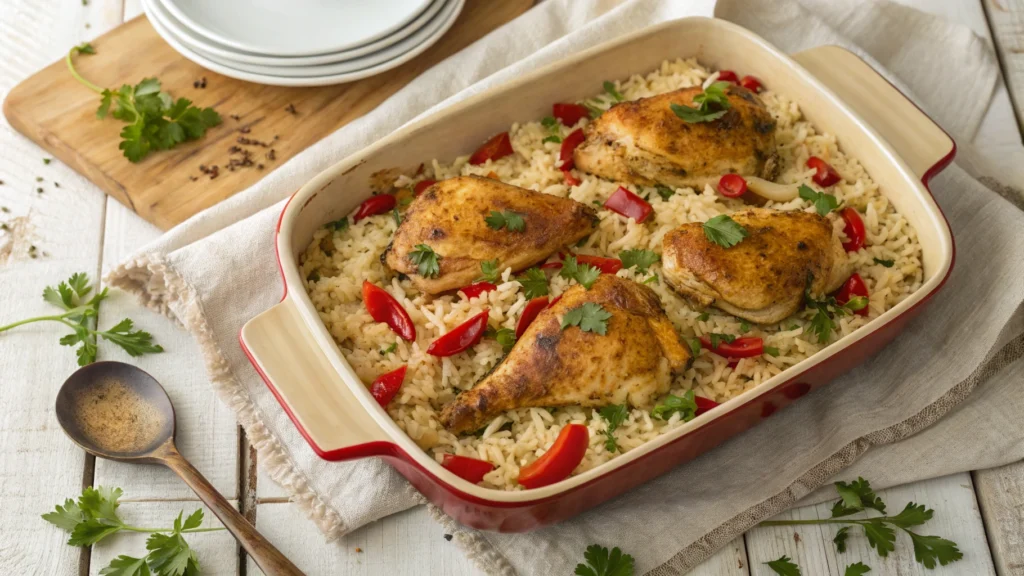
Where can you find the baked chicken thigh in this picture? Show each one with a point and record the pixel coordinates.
(453, 224)
(762, 279)
(644, 142)
(632, 362)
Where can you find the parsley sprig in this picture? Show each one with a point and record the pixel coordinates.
(712, 104)
(724, 231)
(642, 259)
(505, 336)
(426, 261)
(513, 221)
(80, 314)
(823, 202)
(554, 132)
(534, 283)
(489, 271)
(585, 274)
(609, 88)
(784, 567)
(858, 497)
(613, 415)
(156, 121)
(828, 311)
(600, 562)
(94, 516)
(686, 405)
(590, 317)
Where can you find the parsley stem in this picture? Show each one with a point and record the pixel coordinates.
(83, 81)
(166, 530)
(59, 318)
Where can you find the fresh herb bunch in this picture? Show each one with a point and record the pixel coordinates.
(93, 517)
(80, 315)
(827, 311)
(155, 120)
(600, 562)
(712, 104)
(857, 497)
(614, 415)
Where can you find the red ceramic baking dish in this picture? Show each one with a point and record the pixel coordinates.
(291, 348)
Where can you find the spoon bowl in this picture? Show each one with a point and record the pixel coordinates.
(116, 411)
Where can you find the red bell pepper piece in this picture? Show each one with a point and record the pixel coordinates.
(462, 337)
(703, 404)
(739, 348)
(533, 307)
(854, 229)
(386, 386)
(732, 186)
(824, 174)
(569, 114)
(384, 308)
(628, 204)
(551, 266)
(374, 205)
(568, 146)
(470, 469)
(728, 76)
(570, 179)
(560, 460)
(605, 265)
(423, 185)
(474, 290)
(751, 83)
(497, 147)
(853, 287)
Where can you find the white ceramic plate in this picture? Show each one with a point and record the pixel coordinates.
(202, 44)
(448, 17)
(295, 27)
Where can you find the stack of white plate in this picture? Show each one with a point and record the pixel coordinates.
(301, 42)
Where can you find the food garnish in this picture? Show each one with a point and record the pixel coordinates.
(854, 229)
(585, 274)
(724, 231)
(824, 174)
(888, 263)
(513, 221)
(590, 317)
(383, 307)
(336, 225)
(426, 261)
(505, 336)
(497, 147)
(857, 497)
(823, 203)
(732, 186)
(534, 283)
(423, 185)
(609, 87)
(569, 114)
(729, 346)
(712, 103)
(374, 205)
(462, 337)
(642, 259)
(574, 139)
(489, 271)
(391, 348)
(93, 517)
(771, 350)
(560, 460)
(664, 191)
(827, 310)
(387, 385)
(613, 415)
(155, 120)
(602, 563)
(784, 567)
(605, 265)
(751, 83)
(857, 569)
(685, 405)
(851, 293)
(80, 315)
(530, 312)
(469, 469)
(727, 76)
(628, 204)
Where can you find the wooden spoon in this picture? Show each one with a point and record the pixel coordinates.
(117, 411)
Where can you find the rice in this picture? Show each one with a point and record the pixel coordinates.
(337, 262)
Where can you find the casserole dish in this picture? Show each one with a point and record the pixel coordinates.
(332, 408)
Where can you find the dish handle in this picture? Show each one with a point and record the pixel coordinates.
(923, 144)
(316, 398)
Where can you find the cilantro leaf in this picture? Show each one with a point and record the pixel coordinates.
(555, 139)
(912, 515)
(859, 495)
(712, 104)
(717, 339)
(929, 549)
(513, 221)
(686, 405)
(840, 539)
(613, 414)
(534, 283)
(584, 274)
(489, 271)
(505, 336)
(134, 343)
(65, 517)
(695, 346)
(695, 115)
(642, 259)
(784, 567)
(856, 303)
(602, 563)
(426, 261)
(880, 537)
(857, 569)
(771, 350)
(724, 231)
(704, 316)
(886, 263)
(91, 531)
(823, 203)
(664, 191)
(590, 317)
(609, 87)
(126, 566)
(169, 554)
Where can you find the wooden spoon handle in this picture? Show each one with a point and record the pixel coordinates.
(268, 558)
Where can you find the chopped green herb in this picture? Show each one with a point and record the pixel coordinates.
(823, 203)
(336, 225)
(827, 311)
(695, 346)
(601, 563)
(534, 283)
(46, 160)
(704, 317)
(856, 303)
(614, 415)
(784, 567)
(397, 216)
(744, 327)
(505, 219)
(389, 349)
(549, 121)
(426, 261)
(506, 337)
(717, 339)
(595, 112)
(771, 350)
(886, 263)
(489, 271)
(857, 569)
(555, 139)
(642, 259)
(609, 87)
(584, 274)
(314, 276)
(724, 231)
(685, 405)
(652, 280)
(665, 192)
(590, 317)
(712, 104)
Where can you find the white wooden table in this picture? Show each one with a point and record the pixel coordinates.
(76, 228)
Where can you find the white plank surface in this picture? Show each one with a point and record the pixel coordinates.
(1006, 18)
(1001, 496)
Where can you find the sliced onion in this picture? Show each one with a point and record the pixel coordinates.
(771, 190)
(710, 80)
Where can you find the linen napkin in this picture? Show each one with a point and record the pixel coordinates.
(972, 333)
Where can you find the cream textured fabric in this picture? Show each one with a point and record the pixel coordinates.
(216, 271)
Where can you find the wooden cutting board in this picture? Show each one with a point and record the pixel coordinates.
(167, 187)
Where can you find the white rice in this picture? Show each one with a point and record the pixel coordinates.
(343, 259)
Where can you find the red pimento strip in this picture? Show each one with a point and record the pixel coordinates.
(605, 265)
(423, 185)
(474, 290)
(853, 287)
(461, 338)
(379, 204)
(627, 204)
(752, 84)
(384, 308)
(551, 266)
(469, 469)
(497, 147)
(571, 180)
(530, 312)
(568, 146)
(704, 404)
(854, 229)
(824, 174)
(728, 76)
(560, 460)
(739, 348)
(569, 114)
(732, 186)
(386, 386)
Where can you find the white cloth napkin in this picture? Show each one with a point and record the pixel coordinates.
(215, 271)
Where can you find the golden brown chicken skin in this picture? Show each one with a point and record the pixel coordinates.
(762, 279)
(631, 363)
(449, 217)
(644, 142)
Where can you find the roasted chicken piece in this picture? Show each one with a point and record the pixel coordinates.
(631, 363)
(644, 142)
(450, 217)
(762, 279)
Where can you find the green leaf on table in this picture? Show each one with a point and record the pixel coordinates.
(784, 567)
